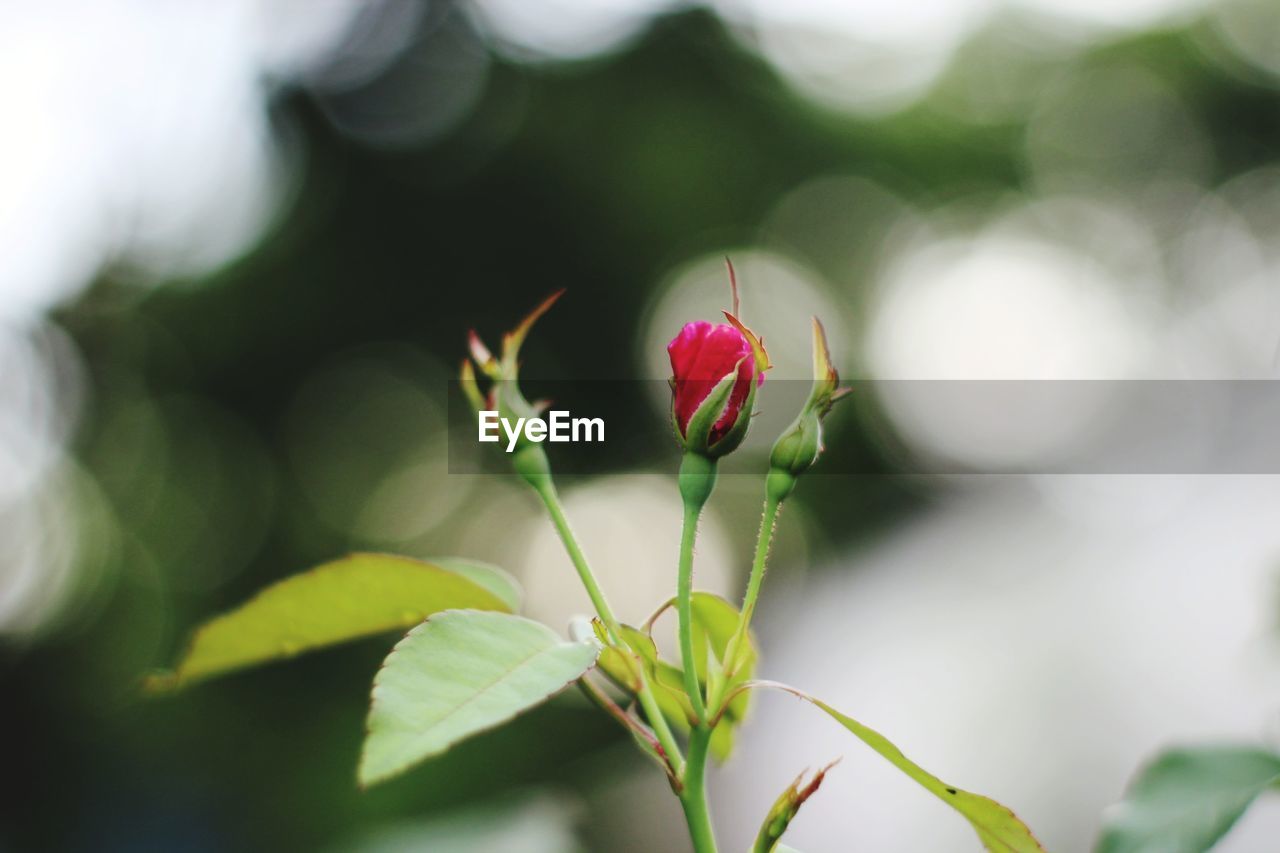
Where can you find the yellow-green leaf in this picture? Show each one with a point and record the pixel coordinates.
(997, 827)
(357, 596)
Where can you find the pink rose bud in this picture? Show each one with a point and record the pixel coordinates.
(715, 371)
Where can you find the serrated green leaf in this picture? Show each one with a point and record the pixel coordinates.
(998, 828)
(357, 596)
(460, 673)
(1187, 799)
(487, 575)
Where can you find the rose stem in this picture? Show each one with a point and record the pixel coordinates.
(697, 480)
(768, 521)
(537, 473)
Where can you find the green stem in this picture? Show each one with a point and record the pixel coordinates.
(694, 795)
(768, 521)
(556, 510)
(547, 491)
(684, 611)
(697, 479)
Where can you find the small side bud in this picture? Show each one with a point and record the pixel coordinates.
(504, 394)
(800, 444)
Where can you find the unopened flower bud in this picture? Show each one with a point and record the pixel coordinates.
(504, 395)
(715, 370)
(801, 443)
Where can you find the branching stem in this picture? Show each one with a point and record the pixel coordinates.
(547, 491)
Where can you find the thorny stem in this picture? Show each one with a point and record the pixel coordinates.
(697, 479)
(768, 521)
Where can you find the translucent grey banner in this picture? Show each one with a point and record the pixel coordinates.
(918, 427)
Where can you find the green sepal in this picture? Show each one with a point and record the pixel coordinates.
(697, 433)
(730, 441)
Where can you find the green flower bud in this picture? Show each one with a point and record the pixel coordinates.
(504, 395)
(799, 446)
(801, 443)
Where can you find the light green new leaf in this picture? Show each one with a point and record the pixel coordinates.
(357, 596)
(998, 828)
(460, 673)
(1187, 799)
(715, 621)
(625, 666)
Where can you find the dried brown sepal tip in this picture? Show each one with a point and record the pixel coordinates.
(513, 340)
(786, 807)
